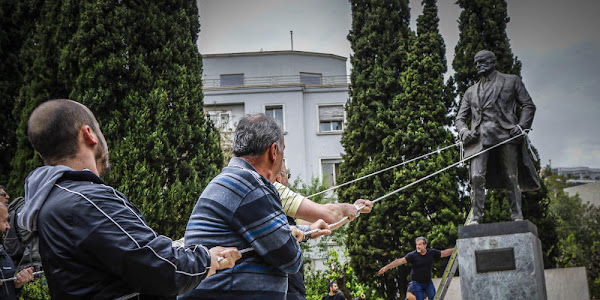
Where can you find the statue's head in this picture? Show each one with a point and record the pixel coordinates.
(485, 62)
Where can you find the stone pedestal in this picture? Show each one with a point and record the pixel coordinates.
(501, 261)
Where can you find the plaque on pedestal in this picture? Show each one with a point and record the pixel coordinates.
(501, 261)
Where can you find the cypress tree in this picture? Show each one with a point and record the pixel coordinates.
(43, 79)
(435, 205)
(398, 112)
(179, 153)
(137, 67)
(379, 39)
(482, 25)
(17, 19)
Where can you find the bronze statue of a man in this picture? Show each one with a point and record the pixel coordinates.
(491, 106)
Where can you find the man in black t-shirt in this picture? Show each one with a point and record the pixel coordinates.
(333, 292)
(422, 265)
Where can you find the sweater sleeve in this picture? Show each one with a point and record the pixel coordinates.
(290, 200)
(262, 223)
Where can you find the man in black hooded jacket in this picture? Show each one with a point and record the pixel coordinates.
(94, 243)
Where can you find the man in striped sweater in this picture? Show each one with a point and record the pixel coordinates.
(241, 208)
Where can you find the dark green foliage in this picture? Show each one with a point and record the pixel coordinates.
(593, 267)
(316, 281)
(482, 25)
(316, 285)
(379, 39)
(316, 185)
(17, 20)
(449, 97)
(36, 289)
(345, 275)
(578, 232)
(165, 169)
(43, 79)
(137, 67)
(339, 235)
(398, 111)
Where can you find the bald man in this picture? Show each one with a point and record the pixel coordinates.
(94, 243)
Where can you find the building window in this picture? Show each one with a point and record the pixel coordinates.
(232, 79)
(276, 112)
(311, 78)
(223, 120)
(330, 168)
(331, 118)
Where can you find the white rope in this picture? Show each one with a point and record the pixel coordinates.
(422, 179)
(448, 167)
(388, 168)
(528, 142)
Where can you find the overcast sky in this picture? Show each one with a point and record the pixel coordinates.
(557, 41)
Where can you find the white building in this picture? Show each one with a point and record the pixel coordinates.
(579, 172)
(305, 91)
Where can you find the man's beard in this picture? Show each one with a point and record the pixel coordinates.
(102, 160)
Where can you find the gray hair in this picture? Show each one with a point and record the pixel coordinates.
(421, 238)
(255, 134)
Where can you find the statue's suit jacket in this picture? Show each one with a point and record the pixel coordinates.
(507, 94)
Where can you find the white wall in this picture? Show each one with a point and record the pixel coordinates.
(318, 257)
(304, 145)
(323, 145)
(276, 63)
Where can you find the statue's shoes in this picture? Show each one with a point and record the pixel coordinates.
(518, 219)
(473, 223)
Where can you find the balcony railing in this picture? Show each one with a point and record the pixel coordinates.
(280, 80)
